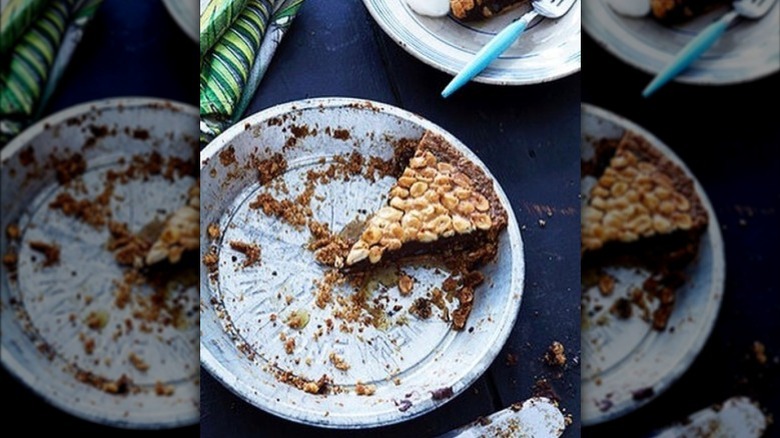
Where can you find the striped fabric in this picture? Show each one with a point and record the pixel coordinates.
(87, 10)
(25, 77)
(215, 20)
(15, 17)
(226, 69)
(280, 22)
(285, 12)
(231, 72)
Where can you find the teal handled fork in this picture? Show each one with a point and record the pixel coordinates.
(498, 45)
(752, 9)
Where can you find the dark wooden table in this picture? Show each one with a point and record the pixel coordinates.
(130, 49)
(527, 136)
(732, 145)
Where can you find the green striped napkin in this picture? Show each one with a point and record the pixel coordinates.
(238, 40)
(38, 38)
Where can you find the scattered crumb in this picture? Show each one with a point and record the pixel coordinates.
(329, 249)
(88, 343)
(542, 223)
(542, 388)
(312, 387)
(461, 314)
(124, 288)
(442, 393)
(483, 421)
(163, 390)
(338, 362)
(325, 286)
(606, 284)
(511, 359)
(302, 131)
(270, 168)
(49, 250)
(138, 362)
(438, 300)
(621, 308)
(289, 345)
(421, 308)
(403, 405)
(450, 284)
(97, 320)
(68, 168)
(121, 385)
(129, 249)
(366, 390)
(555, 355)
(228, 156)
(250, 250)
(604, 405)
(298, 319)
(12, 231)
(94, 213)
(11, 260)
(660, 286)
(211, 259)
(27, 156)
(759, 351)
(213, 231)
(405, 285)
(642, 394)
(341, 134)
(294, 213)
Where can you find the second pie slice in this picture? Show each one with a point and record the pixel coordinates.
(472, 10)
(442, 204)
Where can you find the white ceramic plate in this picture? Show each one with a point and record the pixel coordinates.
(48, 296)
(186, 15)
(748, 50)
(621, 357)
(424, 355)
(549, 49)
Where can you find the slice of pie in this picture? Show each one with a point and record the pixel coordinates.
(442, 204)
(641, 209)
(640, 194)
(180, 232)
(675, 11)
(472, 10)
(158, 241)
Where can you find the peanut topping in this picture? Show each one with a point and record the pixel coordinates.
(431, 200)
(418, 189)
(632, 199)
(181, 232)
